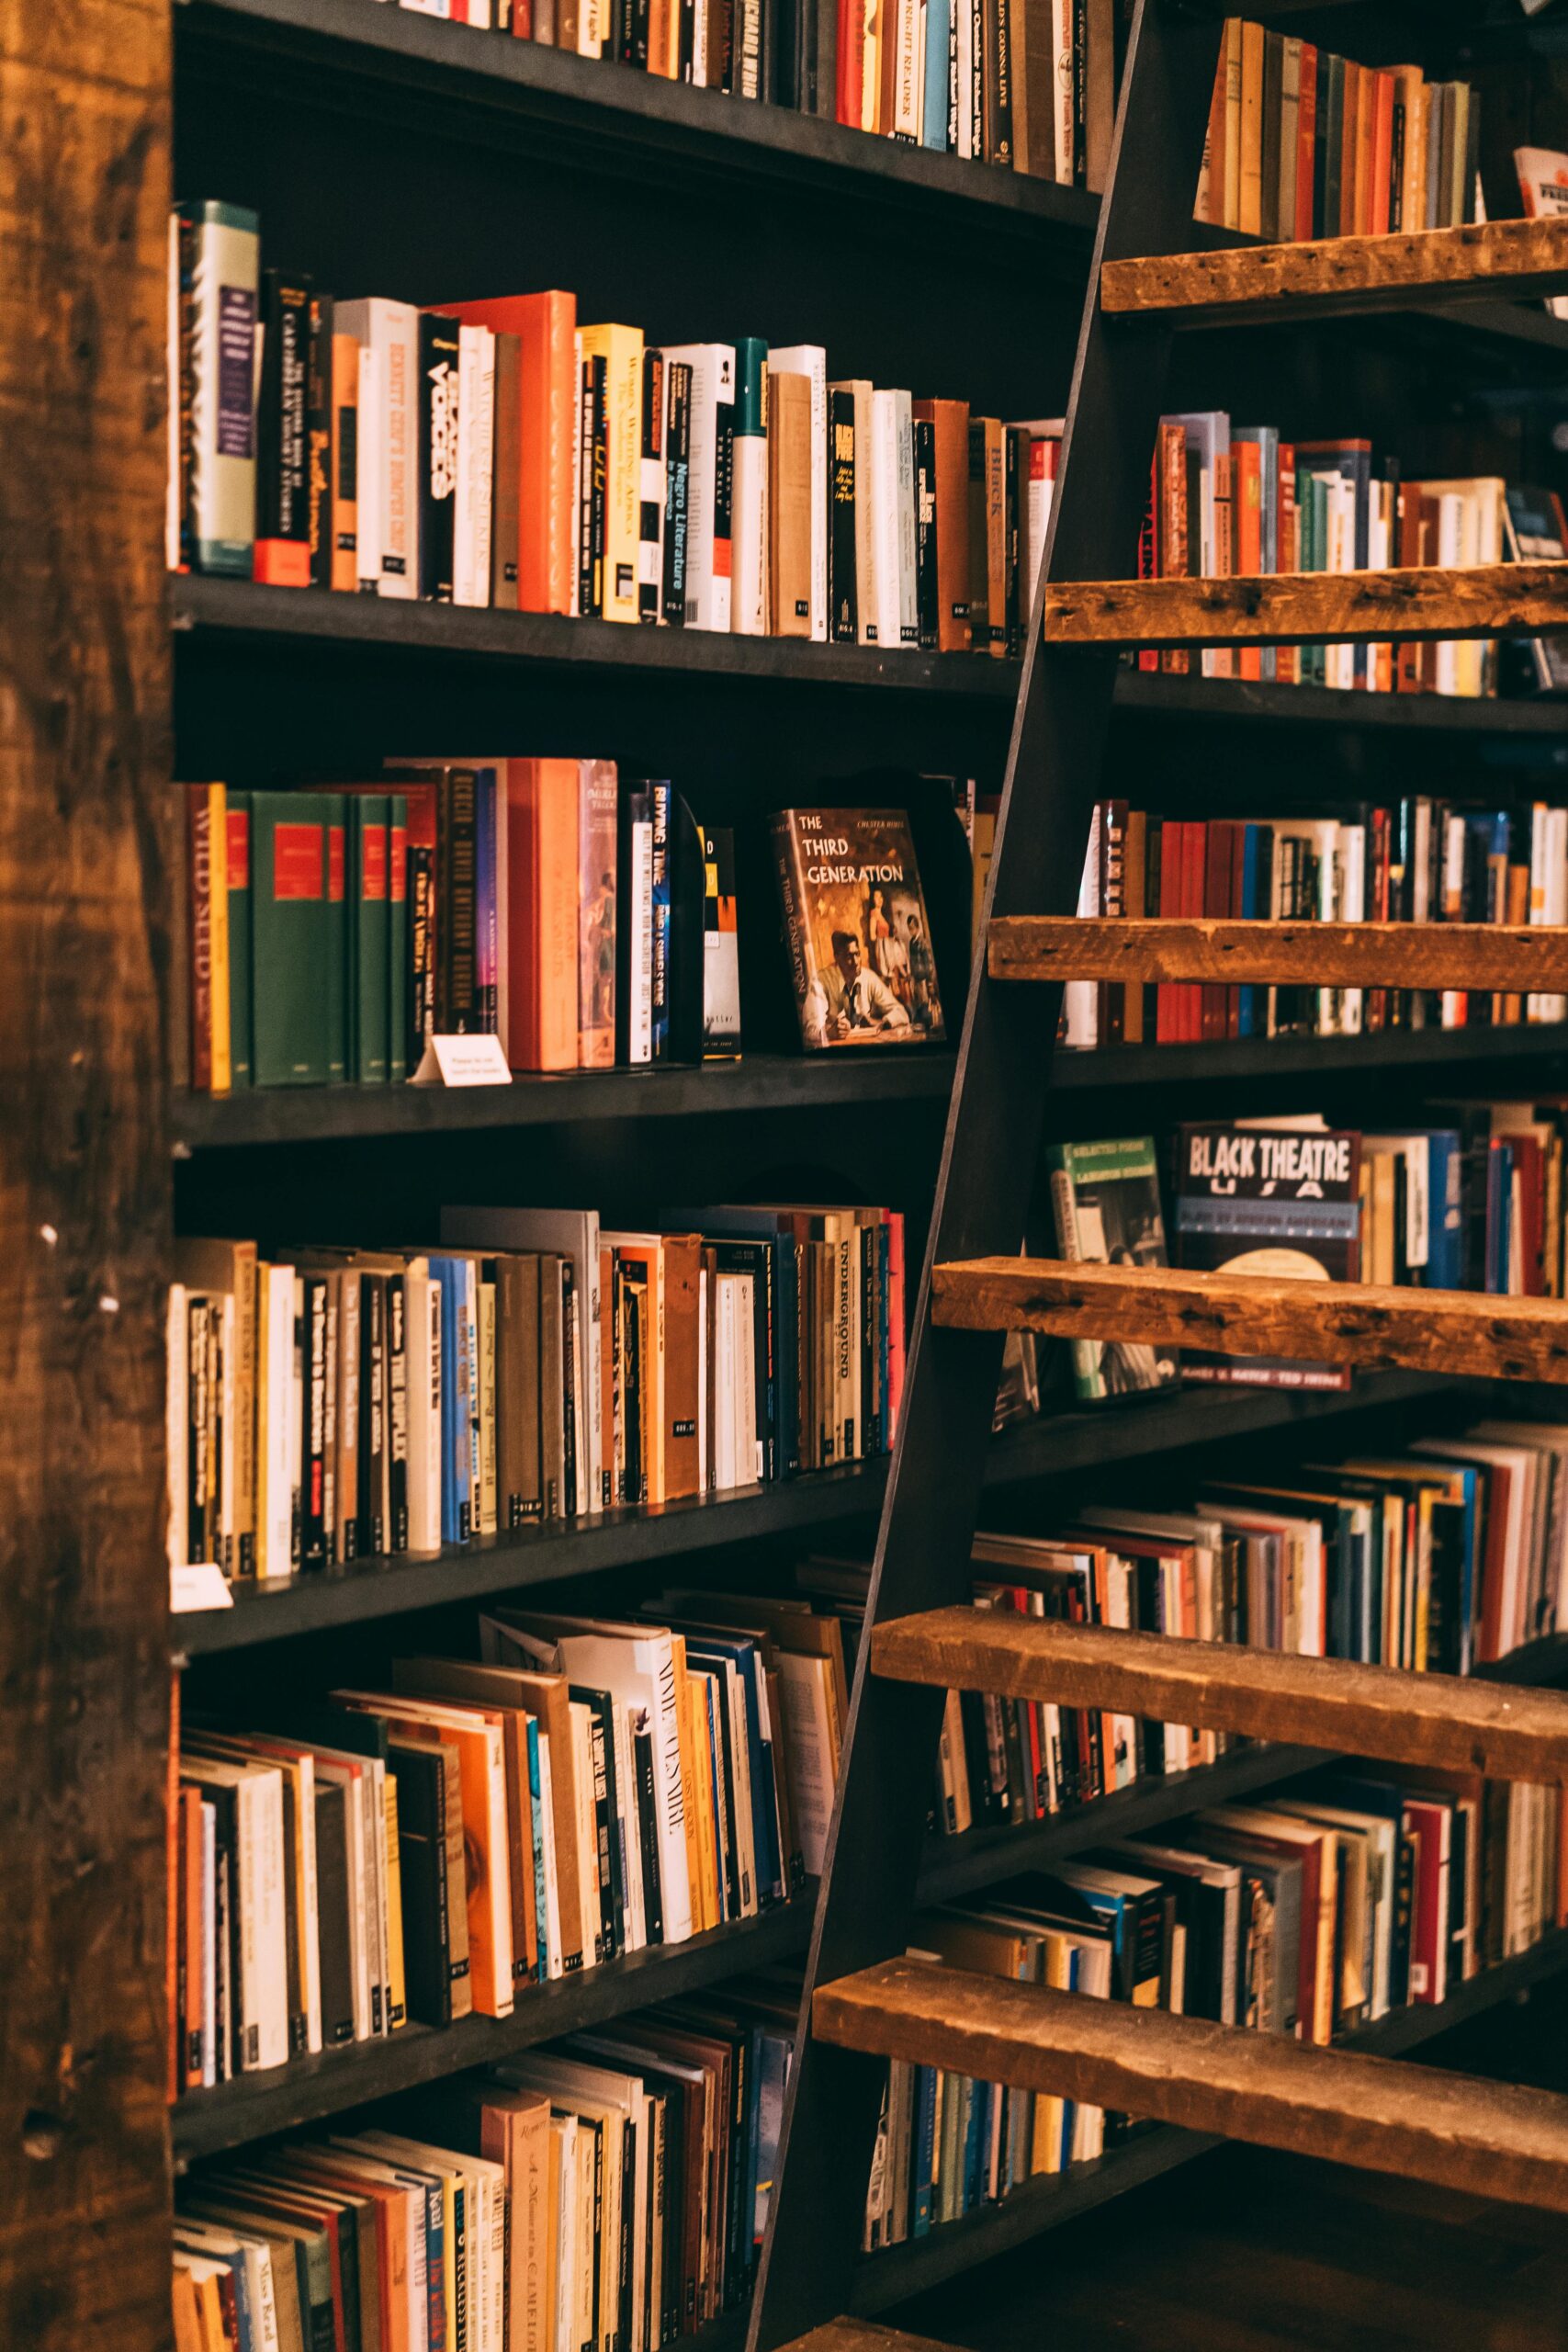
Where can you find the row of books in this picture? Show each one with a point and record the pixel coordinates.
(1030, 84)
(1303, 143)
(1472, 1203)
(429, 1850)
(1242, 501)
(1420, 859)
(497, 452)
(609, 2190)
(1310, 1914)
(332, 934)
(347, 1403)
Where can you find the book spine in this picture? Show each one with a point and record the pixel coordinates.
(843, 627)
(283, 526)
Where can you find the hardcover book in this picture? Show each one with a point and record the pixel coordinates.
(1281, 1203)
(858, 933)
(1106, 1201)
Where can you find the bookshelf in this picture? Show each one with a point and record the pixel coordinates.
(343, 120)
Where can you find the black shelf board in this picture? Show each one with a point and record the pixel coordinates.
(1188, 698)
(253, 2107)
(278, 1610)
(757, 1082)
(205, 609)
(886, 2279)
(958, 1866)
(620, 108)
(1439, 1050)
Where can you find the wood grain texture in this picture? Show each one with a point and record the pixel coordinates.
(1380, 2114)
(1319, 955)
(1377, 1326)
(1508, 1734)
(85, 1179)
(1310, 607)
(1335, 276)
(863, 2335)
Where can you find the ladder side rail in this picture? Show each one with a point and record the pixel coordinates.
(989, 1164)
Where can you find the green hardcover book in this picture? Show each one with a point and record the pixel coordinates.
(398, 975)
(340, 939)
(241, 1070)
(1106, 1201)
(289, 939)
(369, 926)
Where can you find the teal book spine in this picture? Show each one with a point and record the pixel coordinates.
(289, 938)
(398, 978)
(369, 880)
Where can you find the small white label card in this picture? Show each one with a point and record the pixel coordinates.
(200, 1585)
(463, 1062)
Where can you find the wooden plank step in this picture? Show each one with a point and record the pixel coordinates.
(1501, 1730)
(1381, 2114)
(1310, 607)
(863, 2336)
(1378, 1326)
(1516, 958)
(1336, 277)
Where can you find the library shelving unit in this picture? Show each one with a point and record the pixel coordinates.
(389, 152)
(1176, 320)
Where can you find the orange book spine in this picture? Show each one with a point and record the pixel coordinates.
(1381, 195)
(546, 326)
(345, 481)
(1351, 167)
(542, 948)
(1247, 494)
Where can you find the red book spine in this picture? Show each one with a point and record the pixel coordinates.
(1194, 852)
(1168, 1000)
(851, 63)
(1383, 154)
(1213, 994)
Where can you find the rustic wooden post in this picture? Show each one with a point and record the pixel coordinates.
(84, 1175)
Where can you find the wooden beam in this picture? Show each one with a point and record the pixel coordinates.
(1384, 2115)
(1513, 958)
(1378, 1326)
(1495, 1728)
(1333, 277)
(84, 1177)
(863, 2335)
(1310, 607)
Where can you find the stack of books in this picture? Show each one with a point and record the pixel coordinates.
(612, 2188)
(345, 1404)
(500, 453)
(1236, 501)
(1303, 143)
(1420, 859)
(1312, 1913)
(429, 1851)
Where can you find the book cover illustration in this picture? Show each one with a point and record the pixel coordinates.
(858, 933)
(1281, 1203)
(1105, 1196)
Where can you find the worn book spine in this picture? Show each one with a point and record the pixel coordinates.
(318, 424)
(650, 490)
(438, 409)
(506, 474)
(283, 521)
(345, 461)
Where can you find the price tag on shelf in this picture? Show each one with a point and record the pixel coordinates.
(463, 1062)
(199, 1585)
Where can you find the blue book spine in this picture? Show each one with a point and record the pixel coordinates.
(1070, 2107)
(933, 116)
(924, 2149)
(971, 2171)
(245, 2322)
(1445, 1218)
(541, 1898)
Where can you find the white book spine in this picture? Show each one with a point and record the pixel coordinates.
(1353, 1002)
(884, 514)
(368, 474)
(705, 1434)
(1063, 82)
(700, 45)
(748, 601)
(281, 1419)
(476, 462)
(906, 122)
(423, 1322)
(399, 496)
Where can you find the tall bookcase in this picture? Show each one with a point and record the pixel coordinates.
(387, 151)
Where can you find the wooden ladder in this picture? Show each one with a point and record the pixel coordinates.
(865, 2002)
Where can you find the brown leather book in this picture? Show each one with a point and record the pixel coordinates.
(683, 1254)
(950, 420)
(789, 504)
(517, 1482)
(507, 476)
(987, 535)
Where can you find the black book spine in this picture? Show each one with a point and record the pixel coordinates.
(315, 1535)
(585, 490)
(459, 918)
(282, 506)
(1015, 448)
(841, 516)
(318, 436)
(437, 454)
(631, 1380)
(372, 1411)
(926, 603)
(998, 82)
(637, 19)
(398, 1412)
(688, 40)
(648, 1833)
(677, 486)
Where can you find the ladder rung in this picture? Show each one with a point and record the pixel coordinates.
(1310, 607)
(863, 2335)
(1457, 1723)
(1380, 1327)
(1514, 957)
(1489, 2139)
(1335, 276)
